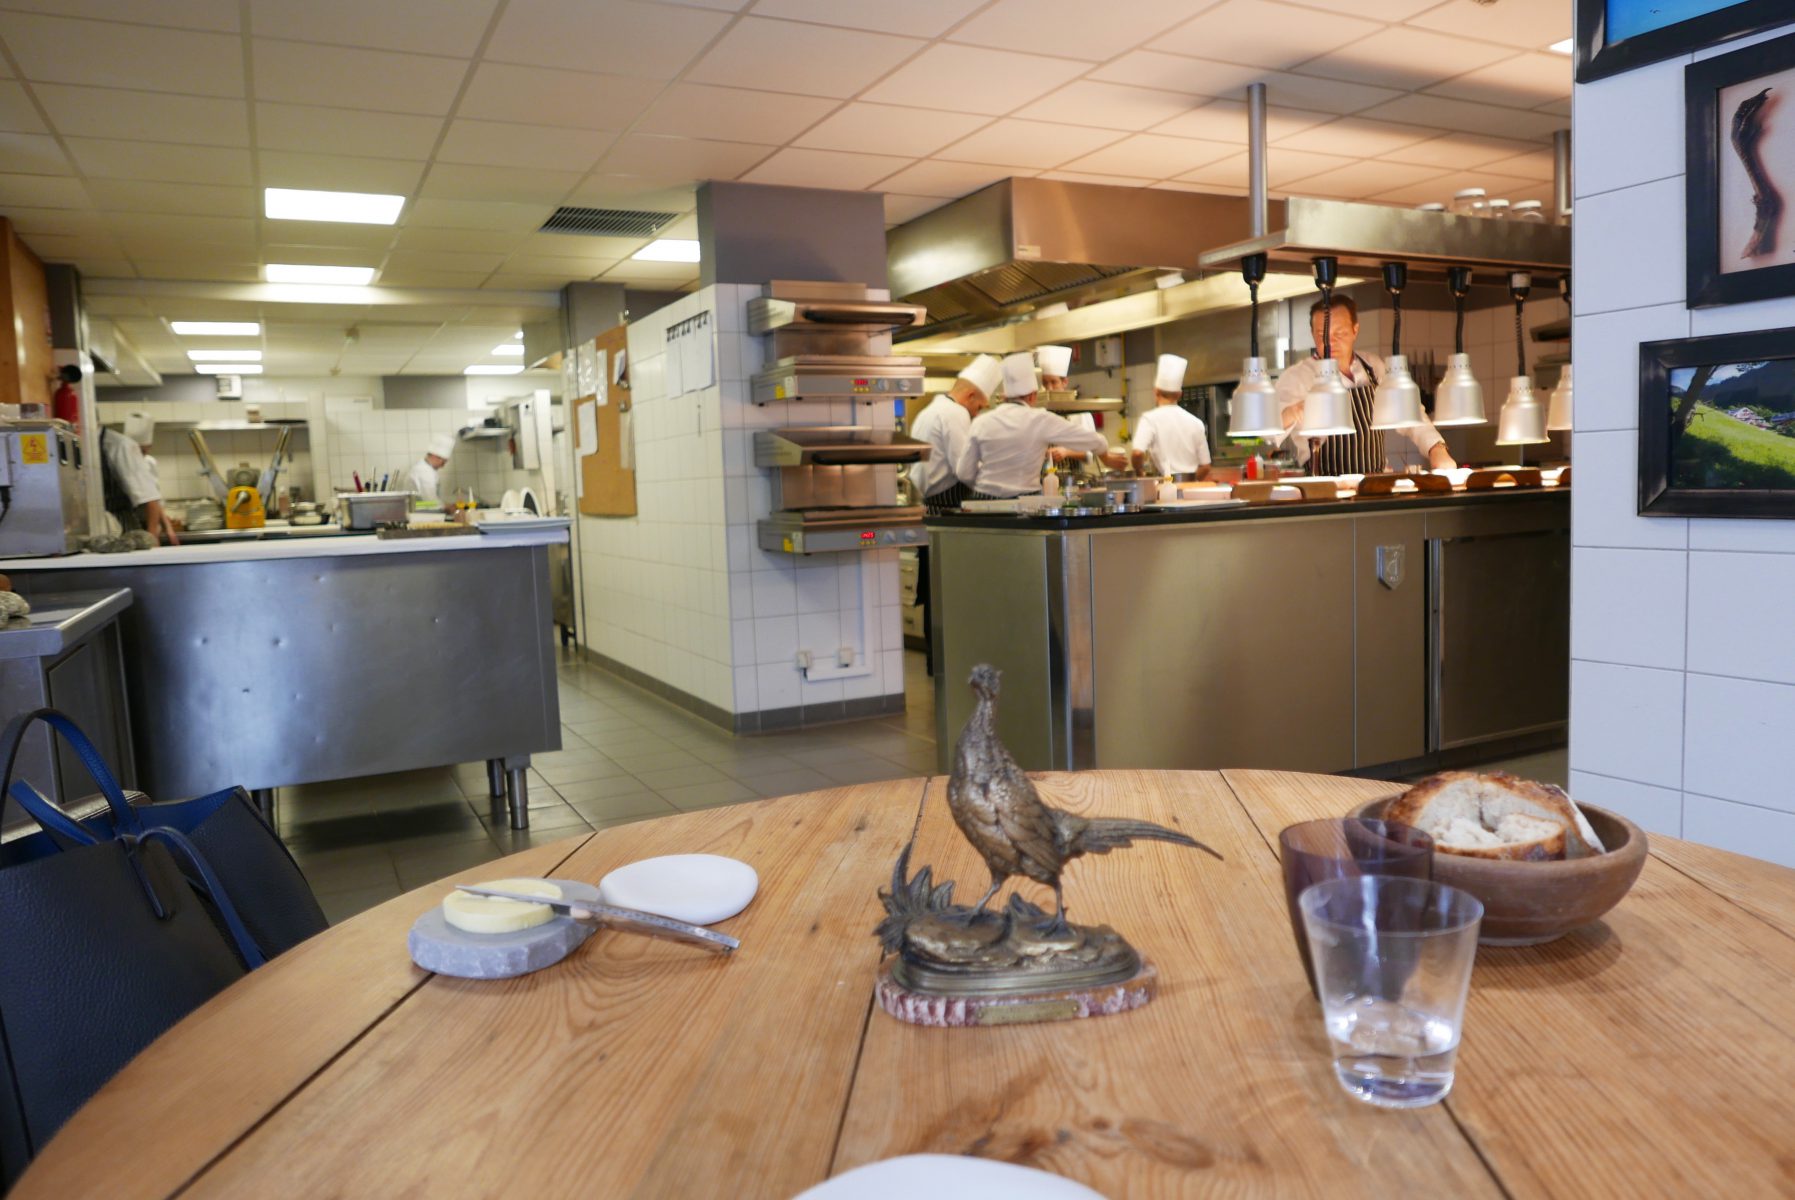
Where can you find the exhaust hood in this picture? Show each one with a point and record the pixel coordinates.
(1022, 243)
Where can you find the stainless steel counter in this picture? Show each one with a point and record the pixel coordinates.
(1404, 632)
(268, 669)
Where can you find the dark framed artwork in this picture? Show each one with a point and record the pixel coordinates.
(1717, 426)
(1618, 35)
(1740, 174)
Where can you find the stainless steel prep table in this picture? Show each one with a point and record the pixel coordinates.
(1389, 633)
(276, 663)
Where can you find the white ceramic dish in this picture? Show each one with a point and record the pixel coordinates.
(949, 1177)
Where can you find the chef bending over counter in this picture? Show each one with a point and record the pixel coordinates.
(1365, 451)
(1007, 447)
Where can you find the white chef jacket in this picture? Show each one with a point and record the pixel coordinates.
(1008, 444)
(944, 425)
(130, 468)
(1175, 437)
(419, 477)
(1403, 448)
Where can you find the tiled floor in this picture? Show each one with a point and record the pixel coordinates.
(626, 756)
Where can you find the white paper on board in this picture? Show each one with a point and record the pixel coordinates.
(587, 441)
(626, 439)
(602, 393)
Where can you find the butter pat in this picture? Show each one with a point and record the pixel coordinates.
(488, 914)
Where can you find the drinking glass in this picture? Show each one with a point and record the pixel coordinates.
(1393, 957)
(1346, 846)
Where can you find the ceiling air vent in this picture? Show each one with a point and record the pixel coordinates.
(607, 222)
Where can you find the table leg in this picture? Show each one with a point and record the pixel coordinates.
(517, 784)
(264, 799)
(495, 777)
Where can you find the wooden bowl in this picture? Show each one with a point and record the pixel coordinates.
(1527, 903)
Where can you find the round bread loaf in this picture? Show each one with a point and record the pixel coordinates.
(1496, 815)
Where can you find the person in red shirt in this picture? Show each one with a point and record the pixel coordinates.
(66, 404)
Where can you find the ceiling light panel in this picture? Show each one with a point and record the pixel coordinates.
(216, 328)
(356, 208)
(225, 355)
(492, 369)
(508, 350)
(673, 250)
(308, 273)
(228, 368)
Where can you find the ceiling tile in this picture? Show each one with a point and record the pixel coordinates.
(544, 282)
(1325, 95)
(1103, 180)
(55, 50)
(308, 128)
(210, 237)
(1524, 81)
(1242, 31)
(1356, 181)
(1229, 173)
(1558, 108)
(62, 222)
(451, 27)
(632, 271)
(732, 114)
(1528, 24)
(434, 212)
(917, 18)
(823, 61)
(213, 271)
(1038, 144)
(688, 158)
(948, 180)
(219, 15)
(1535, 164)
(345, 256)
(1440, 189)
(339, 77)
(59, 247)
(912, 132)
(1152, 155)
(899, 209)
(106, 268)
(446, 260)
(1281, 167)
(964, 79)
(153, 116)
(1110, 105)
(1226, 121)
(577, 266)
(108, 158)
(652, 41)
(1403, 57)
(412, 237)
(502, 144)
(333, 237)
(826, 169)
(653, 193)
(424, 277)
(1175, 72)
(194, 199)
(41, 191)
(453, 181)
(1066, 27)
(1356, 136)
(1467, 118)
(17, 113)
(1458, 150)
(540, 96)
(1375, 10)
(335, 173)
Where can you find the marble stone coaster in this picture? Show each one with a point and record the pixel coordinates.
(697, 888)
(438, 946)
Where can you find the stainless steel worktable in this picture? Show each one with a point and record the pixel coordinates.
(274, 663)
(1387, 633)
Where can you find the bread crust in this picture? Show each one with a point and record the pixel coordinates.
(1575, 839)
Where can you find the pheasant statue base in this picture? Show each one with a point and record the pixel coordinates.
(954, 964)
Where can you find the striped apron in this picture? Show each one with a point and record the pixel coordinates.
(948, 499)
(1360, 452)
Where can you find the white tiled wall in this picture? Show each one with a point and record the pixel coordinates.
(681, 591)
(1683, 682)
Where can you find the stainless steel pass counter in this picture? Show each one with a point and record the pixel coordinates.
(1395, 631)
(274, 663)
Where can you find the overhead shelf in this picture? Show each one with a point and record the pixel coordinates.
(294, 423)
(1365, 236)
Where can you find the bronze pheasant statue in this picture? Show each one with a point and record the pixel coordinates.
(997, 808)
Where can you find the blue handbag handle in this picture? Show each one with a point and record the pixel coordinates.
(177, 841)
(125, 817)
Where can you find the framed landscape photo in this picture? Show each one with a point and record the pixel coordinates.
(1717, 426)
(1741, 174)
(1618, 35)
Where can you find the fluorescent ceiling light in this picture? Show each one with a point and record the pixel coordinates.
(668, 250)
(225, 355)
(508, 350)
(359, 208)
(305, 273)
(228, 368)
(216, 328)
(492, 369)
(1568, 46)
(518, 336)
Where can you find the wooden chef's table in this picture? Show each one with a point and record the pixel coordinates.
(1649, 1054)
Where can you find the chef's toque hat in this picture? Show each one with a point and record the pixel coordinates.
(140, 427)
(1171, 374)
(1019, 376)
(1054, 360)
(442, 445)
(984, 373)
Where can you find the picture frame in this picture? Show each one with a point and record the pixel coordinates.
(1717, 426)
(1740, 175)
(1599, 54)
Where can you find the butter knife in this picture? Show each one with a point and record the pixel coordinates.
(628, 919)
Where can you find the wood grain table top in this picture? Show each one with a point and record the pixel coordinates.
(1652, 1053)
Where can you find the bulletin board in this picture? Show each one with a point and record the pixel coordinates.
(607, 473)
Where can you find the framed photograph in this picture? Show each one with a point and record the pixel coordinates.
(1741, 175)
(1717, 426)
(1618, 35)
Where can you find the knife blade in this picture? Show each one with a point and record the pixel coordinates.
(629, 919)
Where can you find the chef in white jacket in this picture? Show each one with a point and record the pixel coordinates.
(945, 425)
(1055, 363)
(133, 495)
(421, 477)
(1008, 446)
(1171, 436)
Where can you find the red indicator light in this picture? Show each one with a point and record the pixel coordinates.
(868, 536)
(860, 383)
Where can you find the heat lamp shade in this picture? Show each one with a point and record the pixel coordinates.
(1558, 413)
(1398, 401)
(1522, 421)
(1253, 410)
(1459, 398)
(1327, 409)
